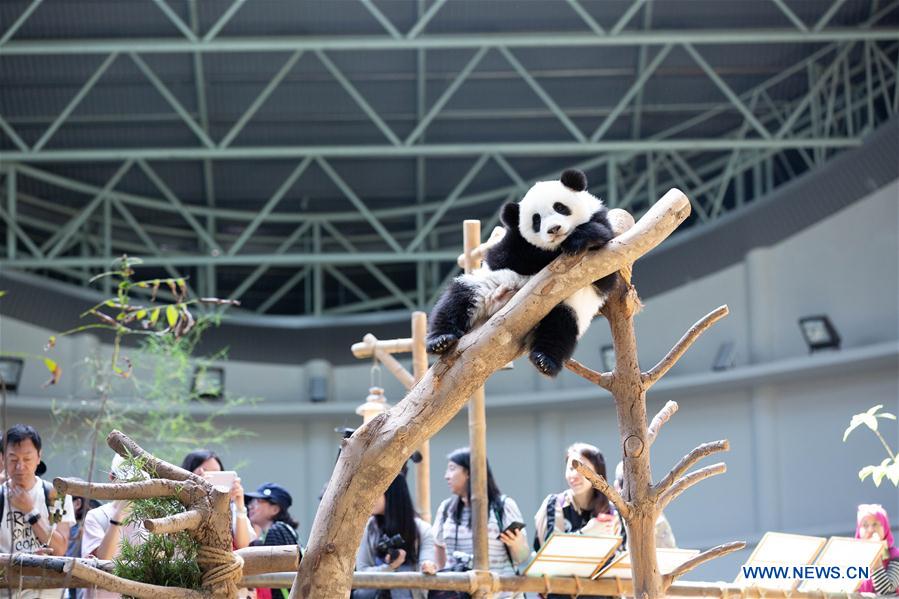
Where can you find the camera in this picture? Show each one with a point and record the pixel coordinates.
(463, 562)
(389, 546)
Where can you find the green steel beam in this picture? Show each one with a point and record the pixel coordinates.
(7, 35)
(542, 94)
(380, 18)
(448, 202)
(445, 96)
(726, 90)
(359, 204)
(427, 150)
(73, 103)
(7, 128)
(627, 16)
(263, 268)
(223, 20)
(260, 99)
(12, 197)
(424, 19)
(587, 18)
(827, 16)
(171, 99)
(244, 259)
(270, 205)
(292, 282)
(358, 97)
(176, 20)
(558, 39)
(636, 86)
(791, 15)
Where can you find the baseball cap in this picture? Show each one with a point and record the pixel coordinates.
(272, 492)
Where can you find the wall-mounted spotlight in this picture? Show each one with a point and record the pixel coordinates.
(726, 358)
(209, 382)
(11, 372)
(608, 358)
(819, 333)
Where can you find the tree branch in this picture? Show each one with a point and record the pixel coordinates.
(603, 379)
(601, 484)
(686, 462)
(115, 584)
(271, 558)
(705, 556)
(658, 371)
(125, 447)
(186, 492)
(188, 520)
(685, 482)
(659, 419)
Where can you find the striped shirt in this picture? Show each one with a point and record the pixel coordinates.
(886, 580)
(458, 537)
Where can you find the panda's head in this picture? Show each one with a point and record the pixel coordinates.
(551, 210)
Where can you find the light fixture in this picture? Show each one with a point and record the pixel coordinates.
(726, 358)
(11, 372)
(375, 402)
(209, 382)
(819, 333)
(608, 357)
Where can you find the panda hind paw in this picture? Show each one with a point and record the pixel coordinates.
(439, 344)
(545, 364)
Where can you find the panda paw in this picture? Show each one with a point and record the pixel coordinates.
(576, 244)
(545, 364)
(439, 344)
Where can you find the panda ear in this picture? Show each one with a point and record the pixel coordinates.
(509, 215)
(574, 179)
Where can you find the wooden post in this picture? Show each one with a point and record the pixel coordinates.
(477, 434)
(419, 368)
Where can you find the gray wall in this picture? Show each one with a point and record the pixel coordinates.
(783, 411)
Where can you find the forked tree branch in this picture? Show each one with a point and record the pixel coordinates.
(602, 485)
(659, 419)
(705, 556)
(603, 379)
(652, 376)
(686, 462)
(685, 482)
(188, 520)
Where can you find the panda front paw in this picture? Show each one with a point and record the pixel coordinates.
(439, 344)
(576, 244)
(545, 364)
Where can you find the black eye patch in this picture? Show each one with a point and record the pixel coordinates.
(535, 223)
(562, 208)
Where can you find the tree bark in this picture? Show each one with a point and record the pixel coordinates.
(372, 457)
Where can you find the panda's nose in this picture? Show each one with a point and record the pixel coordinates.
(554, 229)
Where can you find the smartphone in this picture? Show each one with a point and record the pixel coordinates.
(221, 480)
(514, 526)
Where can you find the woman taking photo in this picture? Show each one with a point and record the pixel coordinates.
(580, 508)
(453, 529)
(382, 550)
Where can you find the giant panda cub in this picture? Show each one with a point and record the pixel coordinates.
(553, 218)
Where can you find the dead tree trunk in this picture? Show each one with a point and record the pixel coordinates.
(372, 457)
(642, 501)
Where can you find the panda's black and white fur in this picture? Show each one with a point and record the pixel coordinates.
(553, 218)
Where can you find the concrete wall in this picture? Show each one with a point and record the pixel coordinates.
(783, 411)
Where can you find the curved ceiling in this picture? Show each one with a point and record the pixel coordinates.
(317, 158)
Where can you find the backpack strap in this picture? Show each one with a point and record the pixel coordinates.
(49, 494)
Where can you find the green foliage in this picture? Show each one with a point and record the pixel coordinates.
(889, 467)
(165, 560)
